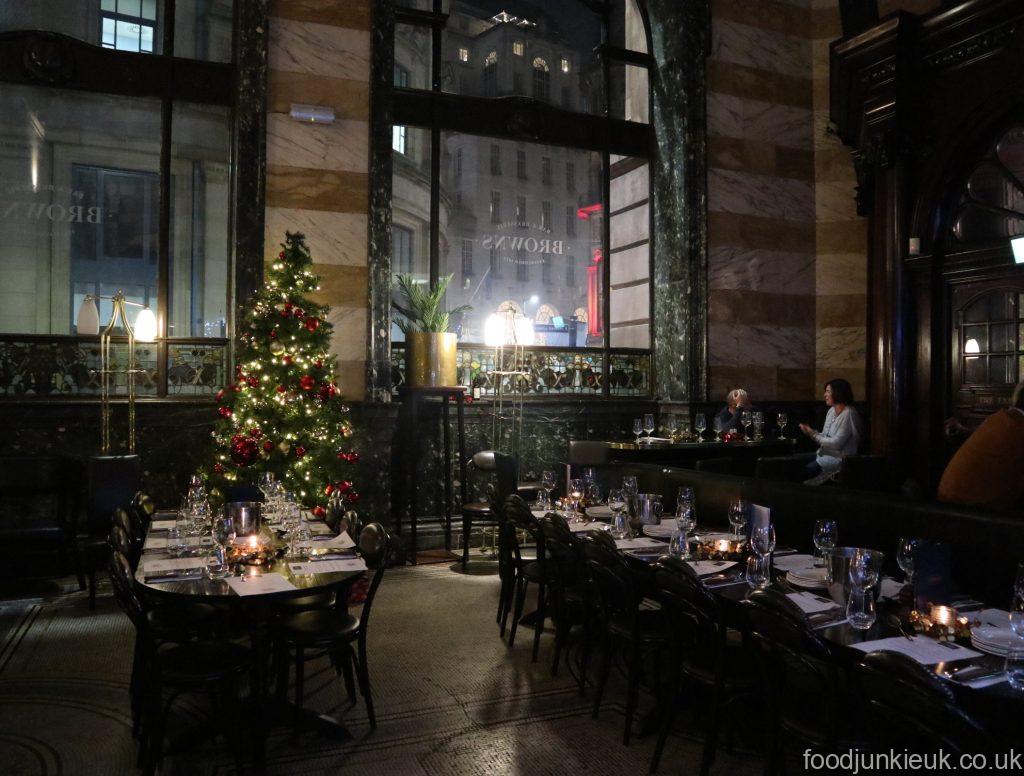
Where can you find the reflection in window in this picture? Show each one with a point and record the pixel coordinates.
(495, 159)
(521, 211)
(399, 136)
(467, 257)
(495, 207)
(521, 165)
(541, 80)
(128, 25)
(401, 241)
(545, 171)
(463, 54)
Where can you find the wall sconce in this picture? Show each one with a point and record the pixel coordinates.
(145, 330)
(1017, 243)
(312, 114)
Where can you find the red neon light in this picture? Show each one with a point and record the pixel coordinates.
(594, 327)
(584, 213)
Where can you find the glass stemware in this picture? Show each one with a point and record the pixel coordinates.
(718, 427)
(1015, 652)
(671, 427)
(638, 430)
(758, 424)
(223, 531)
(700, 425)
(860, 609)
(826, 534)
(762, 539)
(616, 502)
(649, 426)
(576, 490)
(746, 420)
(905, 556)
(782, 420)
(738, 516)
(548, 482)
(629, 485)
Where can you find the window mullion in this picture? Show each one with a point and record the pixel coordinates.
(164, 233)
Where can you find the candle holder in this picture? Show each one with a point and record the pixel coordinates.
(255, 550)
(722, 549)
(942, 623)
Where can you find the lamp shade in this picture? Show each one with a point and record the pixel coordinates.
(88, 317)
(145, 326)
(524, 332)
(494, 330)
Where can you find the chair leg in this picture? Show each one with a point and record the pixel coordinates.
(585, 648)
(538, 627)
(300, 681)
(364, 684)
(508, 591)
(632, 689)
(711, 740)
(345, 660)
(280, 671)
(76, 560)
(517, 613)
(668, 716)
(467, 526)
(602, 680)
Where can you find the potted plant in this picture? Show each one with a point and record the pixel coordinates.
(429, 346)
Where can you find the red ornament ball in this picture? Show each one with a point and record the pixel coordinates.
(280, 255)
(267, 446)
(300, 451)
(281, 389)
(244, 452)
(235, 387)
(312, 323)
(345, 486)
(319, 364)
(256, 433)
(273, 334)
(220, 395)
(225, 412)
(306, 382)
(353, 498)
(299, 312)
(329, 489)
(319, 511)
(218, 468)
(253, 382)
(287, 360)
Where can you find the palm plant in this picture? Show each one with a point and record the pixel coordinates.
(422, 311)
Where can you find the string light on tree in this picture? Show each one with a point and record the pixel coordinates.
(282, 412)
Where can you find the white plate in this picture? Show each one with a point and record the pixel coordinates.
(995, 641)
(807, 581)
(599, 512)
(664, 530)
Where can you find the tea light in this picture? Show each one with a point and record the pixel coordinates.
(943, 615)
(723, 545)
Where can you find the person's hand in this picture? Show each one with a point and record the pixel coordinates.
(806, 429)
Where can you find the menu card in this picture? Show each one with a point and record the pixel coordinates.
(162, 525)
(259, 584)
(316, 528)
(812, 604)
(759, 516)
(328, 566)
(591, 526)
(923, 649)
(704, 567)
(340, 542)
(157, 565)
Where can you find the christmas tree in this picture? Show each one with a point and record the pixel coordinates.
(282, 413)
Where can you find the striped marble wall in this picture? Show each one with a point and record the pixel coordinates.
(317, 178)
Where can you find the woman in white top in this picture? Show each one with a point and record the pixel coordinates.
(839, 437)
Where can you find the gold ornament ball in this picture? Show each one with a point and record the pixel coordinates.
(277, 348)
(284, 447)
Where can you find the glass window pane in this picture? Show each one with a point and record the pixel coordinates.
(1002, 338)
(126, 36)
(543, 51)
(203, 29)
(626, 27)
(92, 22)
(200, 237)
(1002, 370)
(79, 208)
(523, 255)
(975, 368)
(630, 304)
(412, 56)
(975, 339)
(410, 214)
(629, 93)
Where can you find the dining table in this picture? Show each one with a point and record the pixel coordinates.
(976, 677)
(742, 453)
(252, 596)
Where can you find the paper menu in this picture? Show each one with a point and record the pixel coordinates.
(812, 604)
(328, 566)
(704, 567)
(259, 584)
(162, 525)
(759, 515)
(317, 528)
(156, 565)
(924, 650)
(796, 562)
(340, 542)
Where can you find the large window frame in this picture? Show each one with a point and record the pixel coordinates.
(57, 61)
(536, 121)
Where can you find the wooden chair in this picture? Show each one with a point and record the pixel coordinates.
(503, 468)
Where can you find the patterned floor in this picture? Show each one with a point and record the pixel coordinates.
(452, 699)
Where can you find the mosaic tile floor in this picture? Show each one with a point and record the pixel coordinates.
(452, 699)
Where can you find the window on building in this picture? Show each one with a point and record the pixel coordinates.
(495, 207)
(82, 168)
(541, 80)
(401, 76)
(495, 159)
(399, 136)
(401, 249)
(586, 82)
(463, 54)
(467, 257)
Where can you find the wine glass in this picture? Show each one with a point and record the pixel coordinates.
(177, 544)
(1014, 665)
(686, 517)
(826, 534)
(718, 426)
(905, 556)
(223, 531)
(576, 490)
(746, 420)
(863, 576)
(684, 495)
(638, 430)
(616, 501)
(738, 516)
(548, 482)
(671, 427)
(782, 420)
(700, 425)
(679, 543)
(762, 539)
(758, 423)
(649, 425)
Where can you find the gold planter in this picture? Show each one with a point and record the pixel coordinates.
(430, 360)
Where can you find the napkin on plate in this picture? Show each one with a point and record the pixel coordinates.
(812, 604)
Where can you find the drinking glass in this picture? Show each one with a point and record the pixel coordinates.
(620, 526)
(718, 426)
(762, 540)
(638, 430)
(266, 480)
(548, 482)
(649, 425)
(589, 475)
(679, 544)
(684, 495)
(543, 501)
(217, 563)
(782, 420)
(684, 429)
(223, 531)
(176, 545)
(576, 491)
(738, 516)
(860, 609)
(746, 420)
(757, 575)
(1015, 651)
(905, 556)
(616, 501)
(826, 534)
(593, 493)
(629, 485)
(700, 424)
(686, 518)
(671, 427)
(758, 423)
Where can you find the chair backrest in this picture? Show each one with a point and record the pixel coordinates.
(560, 548)
(123, 581)
(616, 586)
(801, 678)
(909, 704)
(375, 547)
(123, 522)
(717, 465)
(694, 616)
(504, 468)
(111, 482)
(119, 541)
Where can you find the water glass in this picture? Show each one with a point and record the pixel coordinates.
(1015, 663)
(718, 426)
(671, 427)
(782, 419)
(746, 420)
(657, 508)
(905, 556)
(616, 501)
(593, 493)
(679, 544)
(176, 543)
(860, 608)
(649, 425)
(629, 485)
(223, 531)
(576, 491)
(543, 501)
(826, 536)
(757, 575)
(589, 475)
(762, 540)
(638, 430)
(548, 482)
(217, 564)
(620, 526)
(684, 495)
(686, 517)
(738, 516)
(758, 424)
(700, 424)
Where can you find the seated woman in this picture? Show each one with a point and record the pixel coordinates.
(737, 401)
(840, 435)
(986, 471)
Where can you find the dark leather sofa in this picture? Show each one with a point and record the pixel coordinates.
(987, 546)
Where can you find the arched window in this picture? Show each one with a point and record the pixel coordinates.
(581, 142)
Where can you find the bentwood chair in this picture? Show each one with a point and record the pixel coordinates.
(624, 625)
(333, 631)
(907, 706)
(520, 520)
(503, 468)
(704, 653)
(805, 694)
(215, 666)
(568, 592)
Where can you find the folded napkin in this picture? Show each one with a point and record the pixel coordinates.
(259, 584)
(704, 567)
(162, 525)
(923, 649)
(591, 526)
(812, 604)
(328, 566)
(316, 528)
(340, 542)
(155, 566)
(890, 588)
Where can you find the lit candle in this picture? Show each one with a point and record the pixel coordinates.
(943, 615)
(724, 545)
